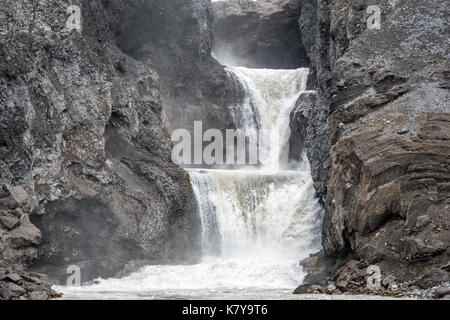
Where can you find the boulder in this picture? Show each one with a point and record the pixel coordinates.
(441, 292)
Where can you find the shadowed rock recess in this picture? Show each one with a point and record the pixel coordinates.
(85, 172)
(259, 34)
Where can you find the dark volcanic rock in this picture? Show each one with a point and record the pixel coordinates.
(81, 130)
(259, 34)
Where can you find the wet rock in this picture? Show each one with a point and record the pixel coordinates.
(25, 286)
(193, 86)
(299, 125)
(320, 269)
(303, 289)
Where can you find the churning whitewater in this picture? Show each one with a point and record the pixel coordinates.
(257, 224)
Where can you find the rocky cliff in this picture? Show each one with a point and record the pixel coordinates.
(84, 137)
(383, 109)
(175, 38)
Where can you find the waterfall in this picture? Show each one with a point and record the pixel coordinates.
(257, 223)
(268, 213)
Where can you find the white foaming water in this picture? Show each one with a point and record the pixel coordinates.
(273, 93)
(256, 224)
(264, 215)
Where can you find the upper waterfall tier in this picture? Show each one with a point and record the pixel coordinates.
(271, 96)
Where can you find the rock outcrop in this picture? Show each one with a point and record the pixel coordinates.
(302, 127)
(385, 93)
(19, 240)
(259, 34)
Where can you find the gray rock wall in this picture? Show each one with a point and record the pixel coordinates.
(81, 131)
(383, 109)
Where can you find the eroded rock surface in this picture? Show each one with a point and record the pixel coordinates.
(386, 93)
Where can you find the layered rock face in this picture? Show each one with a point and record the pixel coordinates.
(81, 132)
(259, 34)
(386, 94)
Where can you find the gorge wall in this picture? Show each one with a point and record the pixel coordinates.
(84, 140)
(383, 110)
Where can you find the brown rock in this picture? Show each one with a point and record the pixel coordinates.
(9, 221)
(441, 292)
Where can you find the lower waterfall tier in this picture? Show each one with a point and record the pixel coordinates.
(256, 226)
(258, 214)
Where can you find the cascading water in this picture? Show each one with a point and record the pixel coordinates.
(262, 215)
(273, 93)
(257, 224)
